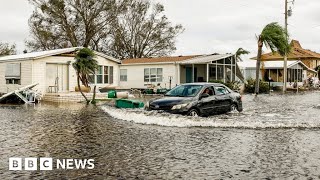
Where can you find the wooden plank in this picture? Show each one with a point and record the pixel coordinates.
(18, 91)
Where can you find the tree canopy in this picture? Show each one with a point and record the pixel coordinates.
(275, 37)
(7, 49)
(85, 65)
(121, 28)
(142, 31)
(241, 52)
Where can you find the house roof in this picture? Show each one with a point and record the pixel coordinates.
(205, 59)
(43, 54)
(279, 65)
(297, 53)
(192, 59)
(273, 65)
(157, 60)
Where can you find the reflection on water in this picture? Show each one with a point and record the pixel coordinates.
(128, 150)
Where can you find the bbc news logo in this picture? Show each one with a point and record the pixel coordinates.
(31, 164)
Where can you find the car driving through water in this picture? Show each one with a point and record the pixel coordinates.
(198, 99)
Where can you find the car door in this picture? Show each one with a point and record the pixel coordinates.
(223, 101)
(208, 104)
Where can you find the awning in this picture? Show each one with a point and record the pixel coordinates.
(205, 59)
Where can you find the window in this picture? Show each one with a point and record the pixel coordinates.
(13, 73)
(99, 75)
(209, 91)
(221, 91)
(13, 81)
(103, 75)
(153, 74)
(184, 91)
(123, 75)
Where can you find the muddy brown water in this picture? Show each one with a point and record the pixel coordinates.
(275, 137)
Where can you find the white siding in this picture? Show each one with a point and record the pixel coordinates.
(135, 75)
(34, 71)
(26, 76)
(40, 71)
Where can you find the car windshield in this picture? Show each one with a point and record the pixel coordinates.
(184, 91)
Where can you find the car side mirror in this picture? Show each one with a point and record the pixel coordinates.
(205, 95)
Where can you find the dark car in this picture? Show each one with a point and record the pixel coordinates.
(198, 99)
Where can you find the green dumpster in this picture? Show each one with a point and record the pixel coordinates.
(112, 94)
(162, 91)
(149, 91)
(128, 103)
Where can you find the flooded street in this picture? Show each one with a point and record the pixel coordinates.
(274, 137)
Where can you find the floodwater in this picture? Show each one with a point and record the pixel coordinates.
(276, 137)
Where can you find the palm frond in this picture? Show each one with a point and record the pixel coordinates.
(275, 37)
(85, 65)
(240, 52)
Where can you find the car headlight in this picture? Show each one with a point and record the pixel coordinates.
(179, 106)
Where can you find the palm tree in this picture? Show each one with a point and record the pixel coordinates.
(241, 52)
(85, 65)
(275, 37)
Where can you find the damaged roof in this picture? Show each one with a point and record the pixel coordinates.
(297, 52)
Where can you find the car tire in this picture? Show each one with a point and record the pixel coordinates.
(193, 113)
(234, 107)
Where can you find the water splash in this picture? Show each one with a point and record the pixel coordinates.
(289, 111)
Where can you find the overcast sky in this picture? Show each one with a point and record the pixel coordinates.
(211, 26)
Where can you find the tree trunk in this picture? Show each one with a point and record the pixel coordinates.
(94, 95)
(78, 81)
(258, 67)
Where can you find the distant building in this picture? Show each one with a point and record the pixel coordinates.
(309, 58)
(141, 72)
(301, 65)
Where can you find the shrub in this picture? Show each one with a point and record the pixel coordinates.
(250, 86)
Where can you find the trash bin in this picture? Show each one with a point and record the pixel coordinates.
(128, 103)
(148, 91)
(162, 91)
(112, 94)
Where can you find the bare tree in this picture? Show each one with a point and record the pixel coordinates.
(71, 23)
(121, 28)
(7, 49)
(142, 31)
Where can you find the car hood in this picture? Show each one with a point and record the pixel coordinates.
(170, 101)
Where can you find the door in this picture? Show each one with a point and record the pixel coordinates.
(208, 104)
(223, 100)
(57, 77)
(189, 75)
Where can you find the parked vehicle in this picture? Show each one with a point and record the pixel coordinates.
(198, 99)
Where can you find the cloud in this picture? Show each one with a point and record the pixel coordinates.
(211, 25)
(223, 26)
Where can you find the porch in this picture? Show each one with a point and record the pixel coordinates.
(209, 69)
(272, 71)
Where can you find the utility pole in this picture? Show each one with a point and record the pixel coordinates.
(288, 12)
(285, 63)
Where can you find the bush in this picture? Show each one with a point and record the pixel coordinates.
(234, 85)
(250, 86)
